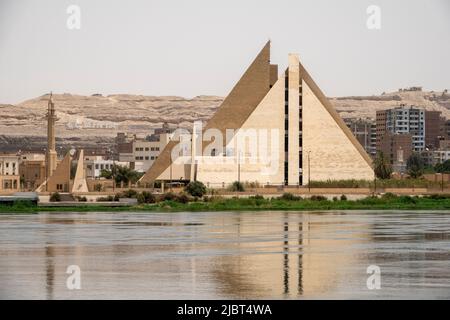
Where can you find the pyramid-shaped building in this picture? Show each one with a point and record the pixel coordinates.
(271, 129)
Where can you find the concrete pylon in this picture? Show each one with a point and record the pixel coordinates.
(79, 182)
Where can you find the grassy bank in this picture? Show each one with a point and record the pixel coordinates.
(286, 202)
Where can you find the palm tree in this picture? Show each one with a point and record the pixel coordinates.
(382, 167)
(415, 166)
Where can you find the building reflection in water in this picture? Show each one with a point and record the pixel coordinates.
(305, 260)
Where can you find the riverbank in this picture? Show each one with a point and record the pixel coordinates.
(287, 203)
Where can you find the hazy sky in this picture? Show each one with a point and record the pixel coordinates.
(195, 47)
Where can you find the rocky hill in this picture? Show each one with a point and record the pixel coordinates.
(91, 121)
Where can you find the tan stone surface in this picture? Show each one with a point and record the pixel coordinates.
(235, 109)
(79, 182)
(268, 115)
(332, 154)
(61, 176)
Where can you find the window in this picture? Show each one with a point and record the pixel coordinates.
(146, 158)
(146, 149)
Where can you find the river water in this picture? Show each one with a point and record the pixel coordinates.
(229, 255)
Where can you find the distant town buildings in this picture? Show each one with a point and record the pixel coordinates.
(142, 153)
(403, 130)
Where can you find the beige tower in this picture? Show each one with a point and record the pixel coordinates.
(51, 145)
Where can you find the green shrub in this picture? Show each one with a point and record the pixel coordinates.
(117, 197)
(55, 197)
(251, 184)
(335, 199)
(182, 198)
(213, 199)
(437, 196)
(237, 187)
(98, 187)
(318, 198)
(129, 194)
(148, 197)
(388, 196)
(140, 198)
(196, 189)
(289, 197)
(407, 199)
(350, 183)
(343, 197)
(106, 199)
(168, 196)
(82, 199)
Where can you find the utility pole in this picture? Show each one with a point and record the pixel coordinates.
(170, 176)
(309, 172)
(375, 185)
(170, 186)
(239, 167)
(113, 170)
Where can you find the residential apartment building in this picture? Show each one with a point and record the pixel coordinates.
(145, 152)
(365, 131)
(434, 157)
(397, 149)
(94, 165)
(9, 174)
(141, 153)
(380, 124)
(32, 170)
(434, 129)
(408, 120)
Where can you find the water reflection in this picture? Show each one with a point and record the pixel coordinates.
(226, 255)
(49, 271)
